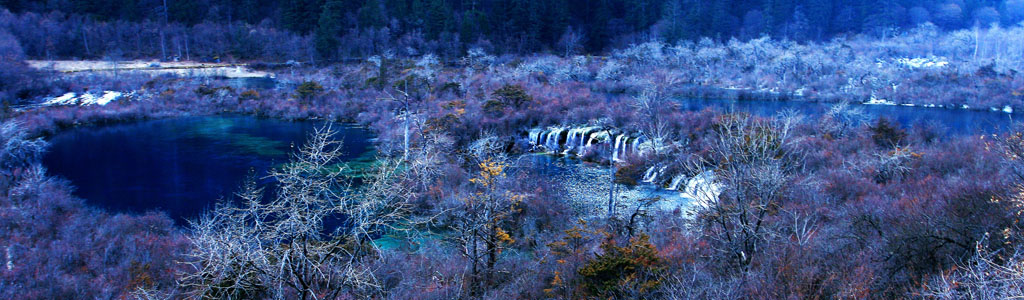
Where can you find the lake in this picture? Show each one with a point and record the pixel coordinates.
(179, 165)
(957, 121)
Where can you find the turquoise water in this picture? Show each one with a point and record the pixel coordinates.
(179, 166)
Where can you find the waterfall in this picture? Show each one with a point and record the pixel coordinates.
(570, 139)
(619, 140)
(636, 145)
(10, 258)
(576, 139)
(583, 134)
(597, 137)
(703, 188)
(552, 139)
(675, 182)
(649, 175)
(535, 136)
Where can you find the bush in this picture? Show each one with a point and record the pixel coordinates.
(886, 134)
(623, 272)
(512, 96)
(309, 89)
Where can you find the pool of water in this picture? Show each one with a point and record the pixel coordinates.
(957, 121)
(179, 166)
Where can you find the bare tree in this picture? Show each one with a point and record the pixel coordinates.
(283, 248)
(478, 222)
(843, 117)
(986, 276)
(652, 105)
(19, 153)
(746, 173)
(571, 41)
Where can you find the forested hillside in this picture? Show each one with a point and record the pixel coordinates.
(355, 28)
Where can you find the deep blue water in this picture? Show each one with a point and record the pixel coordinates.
(179, 165)
(956, 121)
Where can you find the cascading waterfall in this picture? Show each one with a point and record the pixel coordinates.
(649, 175)
(535, 135)
(676, 181)
(576, 140)
(552, 139)
(619, 140)
(636, 144)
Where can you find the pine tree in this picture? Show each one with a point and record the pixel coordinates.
(821, 12)
(437, 19)
(473, 25)
(598, 27)
(328, 29)
(555, 21)
(301, 16)
(673, 15)
(371, 15)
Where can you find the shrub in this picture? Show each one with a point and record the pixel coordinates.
(309, 89)
(631, 271)
(628, 173)
(249, 95)
(512, 95)
(887, 134)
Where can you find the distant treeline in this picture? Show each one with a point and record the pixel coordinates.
(347, 28)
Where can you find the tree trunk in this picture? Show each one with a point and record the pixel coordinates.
(85, 40)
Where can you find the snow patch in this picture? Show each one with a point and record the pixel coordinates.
(66, 99)
(84, 99)
(876, 101)
(923, 63)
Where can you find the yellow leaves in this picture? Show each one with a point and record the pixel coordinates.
(557, 281)
(490, 171)
(502, 236)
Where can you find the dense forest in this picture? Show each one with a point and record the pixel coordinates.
(357, 28)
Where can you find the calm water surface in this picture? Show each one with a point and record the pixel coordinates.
(179, 165)
(955, 121)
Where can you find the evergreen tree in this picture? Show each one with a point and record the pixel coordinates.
(329, 28)
(436, 19)
(474, 25)
(640, 14)
(371, 15)
(800, 26)
(301, 16)
(820, 11)
(598, 27)
(673, 17)
(555, 20)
